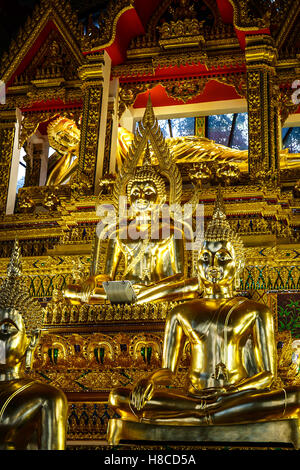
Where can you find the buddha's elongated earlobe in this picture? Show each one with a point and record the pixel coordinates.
(237, 281)
(31, 348)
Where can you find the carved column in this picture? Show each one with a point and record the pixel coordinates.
(8, 146)
(94, 76)
(263, 112)
(111, 137)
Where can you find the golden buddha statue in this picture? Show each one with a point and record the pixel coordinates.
(233, 356)
(154, 255)
(33, 415)
(64, 138)
(196, 149)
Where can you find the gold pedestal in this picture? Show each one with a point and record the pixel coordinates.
(271, 432)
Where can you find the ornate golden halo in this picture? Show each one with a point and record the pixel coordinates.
(14, 294)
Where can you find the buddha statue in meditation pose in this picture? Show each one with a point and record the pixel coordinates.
(33, 415)
(153, 249)
(232, 373)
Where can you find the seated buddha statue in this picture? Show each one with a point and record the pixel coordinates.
(33, 415)
(153, 250)
(233, 353)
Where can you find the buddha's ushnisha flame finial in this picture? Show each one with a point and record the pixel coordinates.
(219, 209)
(14, 267)
(147, 156)
(14, 293)
(149, 118)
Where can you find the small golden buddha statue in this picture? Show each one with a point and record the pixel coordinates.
(233, 352)
(33, 415)
(154, 256)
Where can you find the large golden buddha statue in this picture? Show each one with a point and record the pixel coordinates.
(33, 415)
(232, 374)
(153, 249)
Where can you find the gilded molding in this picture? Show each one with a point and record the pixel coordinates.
(263, 109)
(108, 138)
(289, 15)
(102, 37)
(244, 20)
(90, 131)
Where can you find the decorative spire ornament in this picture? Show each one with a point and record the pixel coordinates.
(14, 294)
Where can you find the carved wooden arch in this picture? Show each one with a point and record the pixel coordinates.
(242, 18)
(49, 341)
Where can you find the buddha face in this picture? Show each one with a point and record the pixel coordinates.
(13, 339)
(66, 135)
(217, 263)
(143, 196)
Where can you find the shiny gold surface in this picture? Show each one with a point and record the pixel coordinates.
(32, 414)
(233, 352)
(275, 432)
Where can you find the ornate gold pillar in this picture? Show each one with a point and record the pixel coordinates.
(108, 137)
(111, 137)
(8, 143)
(263, 111)
(94, 75)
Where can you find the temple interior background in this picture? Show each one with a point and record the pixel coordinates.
(223, 77)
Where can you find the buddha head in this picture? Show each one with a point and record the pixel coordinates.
(221, 256)
(63, 135)
(20, 319)
(146, 190)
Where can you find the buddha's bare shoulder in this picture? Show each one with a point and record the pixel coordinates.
(205, 305)
(46, 391)
(252, 305)
(199, 306)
